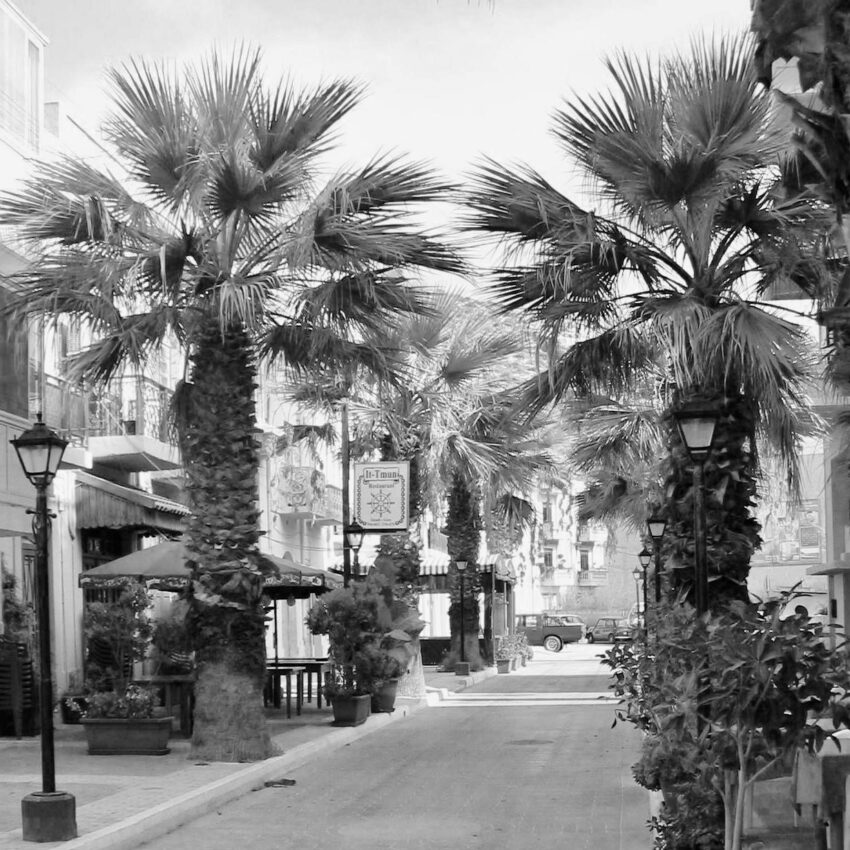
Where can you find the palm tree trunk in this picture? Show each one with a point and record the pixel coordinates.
(226, 618)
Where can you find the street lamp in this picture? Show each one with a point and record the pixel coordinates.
(636, 575)
(645, 558)
(697, 427)
(657, 526)
(47, 815)
(354, 540)
(461, 569)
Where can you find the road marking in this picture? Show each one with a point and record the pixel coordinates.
(460, 703)
(464, 700)
(579, 695)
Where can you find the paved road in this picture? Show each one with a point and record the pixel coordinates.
(526, 761)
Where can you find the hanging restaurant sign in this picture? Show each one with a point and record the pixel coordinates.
(381, 496)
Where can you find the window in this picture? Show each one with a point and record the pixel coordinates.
(547, 512)
(584, 560)
(548, 559)
(20, 70)
(14, 378)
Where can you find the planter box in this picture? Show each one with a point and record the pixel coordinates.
(109, 736)
(462, 668)
(351, 711)
(384, 700)
(503, 666)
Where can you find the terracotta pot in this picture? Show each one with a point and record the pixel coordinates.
(383, 700)
(350, 710)
(109, 736)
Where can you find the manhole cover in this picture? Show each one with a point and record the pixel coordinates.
(524, 742)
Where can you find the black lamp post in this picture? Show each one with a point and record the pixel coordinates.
(697, 427)
(461, 569)
(636, 572)
(645, 558)
(48, 815)
(354, 540)
(657, 526)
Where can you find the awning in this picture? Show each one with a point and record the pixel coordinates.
(104, 504)
(434, 562)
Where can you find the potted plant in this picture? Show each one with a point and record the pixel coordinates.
(504, 654)
(353, 618)
(124, 724)
(524, 651)
(380, 667)
(119, 716)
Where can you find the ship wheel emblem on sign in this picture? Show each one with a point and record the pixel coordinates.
(381, 493)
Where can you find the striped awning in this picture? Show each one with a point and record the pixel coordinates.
(433, 562)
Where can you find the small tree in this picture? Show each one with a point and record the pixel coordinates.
(723, 700)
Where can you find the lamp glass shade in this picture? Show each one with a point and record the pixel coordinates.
(40, 452)
(645, 557)
(657, 527)
(354, 536)
(697, 430)
(461, 566)
(637, 572)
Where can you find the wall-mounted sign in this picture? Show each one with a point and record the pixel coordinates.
(381, 495)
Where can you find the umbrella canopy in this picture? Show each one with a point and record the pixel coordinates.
(163, 567)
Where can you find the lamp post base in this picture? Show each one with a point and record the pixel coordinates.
(49, 816)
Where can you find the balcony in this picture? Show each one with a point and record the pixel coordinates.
(124, 426)
(300, 492)
(592, 578)
(548, 531)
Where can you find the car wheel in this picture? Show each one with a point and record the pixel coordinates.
(590, 637)
(611, 638)
(553, 643)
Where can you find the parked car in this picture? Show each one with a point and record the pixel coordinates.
(610, 630)
(551, 631)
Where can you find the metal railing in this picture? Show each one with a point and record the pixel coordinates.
(133, 404)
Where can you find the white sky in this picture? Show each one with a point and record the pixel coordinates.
(448, 80)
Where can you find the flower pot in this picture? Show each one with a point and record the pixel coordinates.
(513, 663)
(350, 710)
(383, 700)
(503, 665)
(109, 736)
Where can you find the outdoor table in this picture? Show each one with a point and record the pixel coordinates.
(319, 666)
(178, 690)
(274, 673)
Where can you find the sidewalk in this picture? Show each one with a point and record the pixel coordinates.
(124, 800)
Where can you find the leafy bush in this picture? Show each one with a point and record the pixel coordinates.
(369, 632)
(117, 635)
(134, 702)
(723, 699)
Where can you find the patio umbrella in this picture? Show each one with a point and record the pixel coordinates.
(163, 568)
(294, 579)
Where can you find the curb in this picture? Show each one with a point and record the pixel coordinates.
(161, 819)
(437, 695)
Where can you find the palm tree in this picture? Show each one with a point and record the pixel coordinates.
(222, 214)
(665, 283)
(454, 419)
